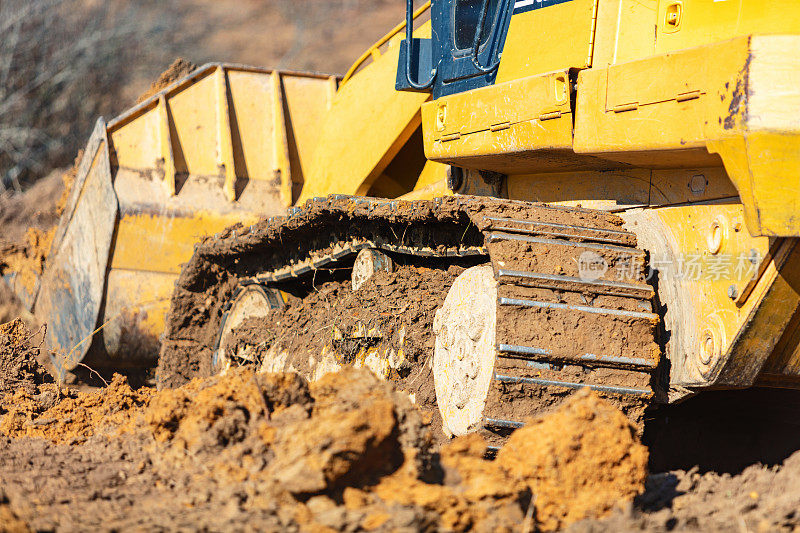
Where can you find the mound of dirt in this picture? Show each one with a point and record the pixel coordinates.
(76, 416)
(270, 451)
(177, 70)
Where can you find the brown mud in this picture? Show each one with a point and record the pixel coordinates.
(390, 315)
(347, 452)
(350, 452)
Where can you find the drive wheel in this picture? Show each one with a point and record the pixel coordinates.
(464, 351)
(232, 348)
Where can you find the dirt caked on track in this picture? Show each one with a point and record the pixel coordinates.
(324, 326)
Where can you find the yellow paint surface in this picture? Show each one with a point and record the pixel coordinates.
(162, 243)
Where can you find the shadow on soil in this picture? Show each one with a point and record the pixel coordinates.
(724, 431)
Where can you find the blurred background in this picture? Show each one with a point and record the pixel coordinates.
(63, 63)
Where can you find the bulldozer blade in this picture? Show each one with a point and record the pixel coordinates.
(70, 292)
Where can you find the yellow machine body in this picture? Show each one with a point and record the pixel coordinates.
(691, 136)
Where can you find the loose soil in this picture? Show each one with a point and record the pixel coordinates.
(177, 70)
(20, 369)
(348, 452)
(271, 451)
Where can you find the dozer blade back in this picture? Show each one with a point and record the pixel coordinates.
(226, 144)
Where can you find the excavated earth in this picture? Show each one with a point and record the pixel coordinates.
(348, 452)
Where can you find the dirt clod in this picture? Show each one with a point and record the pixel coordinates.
(76, 416)
(581, 462)
(346, 452)
(177, 70)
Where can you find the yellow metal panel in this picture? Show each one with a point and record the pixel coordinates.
(652, 107)
(623, 188)
(136, 307)
(595, 190)
(542, 40)
(367, 125)
(251, 113)
(624, 31)
(501, 105)
(194, 119)
(137, 144)
(305, 101)
(485, 128)
(162, 242)
(707, 21)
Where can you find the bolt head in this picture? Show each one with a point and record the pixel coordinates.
(733, 292)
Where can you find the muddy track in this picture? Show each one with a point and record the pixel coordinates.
(557, 330)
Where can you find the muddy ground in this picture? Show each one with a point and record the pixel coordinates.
(246, 450)
(348, 453)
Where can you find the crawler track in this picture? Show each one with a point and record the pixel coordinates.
(560, 326)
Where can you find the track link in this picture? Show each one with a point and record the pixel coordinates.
(574, 311)
(560, 327)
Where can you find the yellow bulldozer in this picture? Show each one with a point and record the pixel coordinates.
(618, 182)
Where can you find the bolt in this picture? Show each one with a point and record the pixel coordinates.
(733, 292)
(707, 347)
